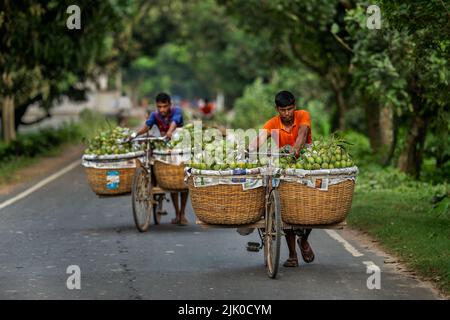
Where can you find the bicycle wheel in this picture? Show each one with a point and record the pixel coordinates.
(273, 232)
(141, 199)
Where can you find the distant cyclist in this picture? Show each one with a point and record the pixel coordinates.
(167, 118)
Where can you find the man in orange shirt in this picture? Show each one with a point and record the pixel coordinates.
(291, 127)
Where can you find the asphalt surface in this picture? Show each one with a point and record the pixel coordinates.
(64, 223)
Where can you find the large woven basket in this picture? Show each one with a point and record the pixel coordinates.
(226, 204)
(110, 181)
(169, 176)
(111, 174)
(303, 205)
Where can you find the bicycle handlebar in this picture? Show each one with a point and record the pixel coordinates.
(164, 139)
(151, 139)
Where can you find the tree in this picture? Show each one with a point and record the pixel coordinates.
(405, 66)
(193, 49)
(301, 31)
(41, 59)
(426, 69)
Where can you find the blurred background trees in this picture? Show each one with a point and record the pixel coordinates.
(386, 89)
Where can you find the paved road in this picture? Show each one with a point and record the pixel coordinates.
(64, 224)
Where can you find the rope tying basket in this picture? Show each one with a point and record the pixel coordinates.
(316, 197)
(223, 203)
(110, 175)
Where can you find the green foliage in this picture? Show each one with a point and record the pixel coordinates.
(192, 49)
(257, 105)
(359, 148)
(408, 225)
(42, 60)
(91, 123)
(34, 144)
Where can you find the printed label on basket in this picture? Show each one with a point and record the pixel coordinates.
(112, 179)
(324, 185)
(252, 184)
(311, 183)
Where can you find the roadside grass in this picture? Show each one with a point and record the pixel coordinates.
(410, 219)
(9, 169)
(29, 148)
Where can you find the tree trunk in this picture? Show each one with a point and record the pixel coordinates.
(372, 111)
(387, 160)
(386, 124)
(342, 107)
(411, 158)
(338, 86)
(380, 129)
(8, 128)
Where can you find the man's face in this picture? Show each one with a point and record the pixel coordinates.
(163, 108)
(286, 113)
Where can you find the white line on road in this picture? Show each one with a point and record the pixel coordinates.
(39, 184)
(370, 263)
(333, 234)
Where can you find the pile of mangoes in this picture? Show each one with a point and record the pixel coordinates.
(106, 142)
(323, 154)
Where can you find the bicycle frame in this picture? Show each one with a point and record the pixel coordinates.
(148, 148)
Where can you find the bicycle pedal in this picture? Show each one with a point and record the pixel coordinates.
(253, 246)
(162, 213)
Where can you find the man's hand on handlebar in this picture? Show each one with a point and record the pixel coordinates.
(131, 137)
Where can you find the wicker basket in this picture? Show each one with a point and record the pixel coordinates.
(110, 181)
(169, 176)
(304, 205)
(226, 204)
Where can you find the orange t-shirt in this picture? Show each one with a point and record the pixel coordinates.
(301, 117)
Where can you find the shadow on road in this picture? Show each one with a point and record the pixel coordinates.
(162, 228)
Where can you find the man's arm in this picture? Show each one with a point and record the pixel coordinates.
(175, 121)
(143, 130)
(301, 139)
(146, 127)
(172, 128)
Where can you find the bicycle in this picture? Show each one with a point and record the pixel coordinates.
(146, 196)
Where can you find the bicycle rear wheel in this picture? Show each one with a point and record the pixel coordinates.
(273, 234)
(141, 199)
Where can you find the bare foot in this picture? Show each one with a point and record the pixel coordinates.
(183, 221)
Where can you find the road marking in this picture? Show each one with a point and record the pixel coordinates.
(333, 234)
(40, 184)
(370, 263)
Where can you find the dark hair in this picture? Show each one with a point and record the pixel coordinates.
(163, 97)
(284, 99)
